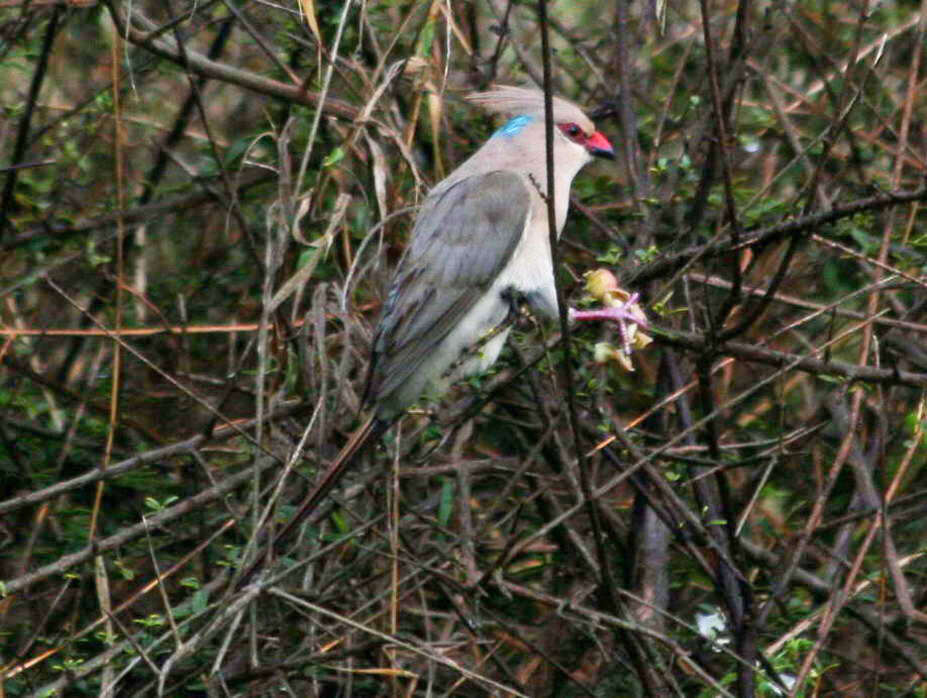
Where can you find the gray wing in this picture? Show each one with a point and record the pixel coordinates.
(464, 237)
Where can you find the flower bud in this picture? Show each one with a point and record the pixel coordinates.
(599, 283)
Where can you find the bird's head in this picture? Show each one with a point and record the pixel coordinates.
(575, 135)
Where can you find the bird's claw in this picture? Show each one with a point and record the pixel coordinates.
(623, 313)
(619, 307)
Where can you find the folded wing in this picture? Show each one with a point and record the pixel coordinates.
(465, 235)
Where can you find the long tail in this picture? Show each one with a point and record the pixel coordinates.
(368, 434)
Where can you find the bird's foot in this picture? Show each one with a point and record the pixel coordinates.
(623, 313)
(619, 307)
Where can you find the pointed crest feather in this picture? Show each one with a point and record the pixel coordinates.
(516, 101)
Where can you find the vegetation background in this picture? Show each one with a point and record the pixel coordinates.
(200, 204)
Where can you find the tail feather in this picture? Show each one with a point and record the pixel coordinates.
(368, 434)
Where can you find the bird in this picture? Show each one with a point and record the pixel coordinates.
(480, 245)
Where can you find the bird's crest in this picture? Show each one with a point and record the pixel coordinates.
(525, 101)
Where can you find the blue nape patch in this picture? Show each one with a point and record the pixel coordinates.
(514, 126)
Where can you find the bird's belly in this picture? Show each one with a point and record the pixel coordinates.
(471, 348)
(474, 345)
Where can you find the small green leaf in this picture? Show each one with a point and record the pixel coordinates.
(446, 507)
(200, 601)
(334, 157)
(611, 256)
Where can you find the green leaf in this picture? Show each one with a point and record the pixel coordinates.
(200, 601)
(446, 507)
(334, 157)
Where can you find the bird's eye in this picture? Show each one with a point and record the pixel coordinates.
(573, 132)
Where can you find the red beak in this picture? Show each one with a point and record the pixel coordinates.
(598, 146)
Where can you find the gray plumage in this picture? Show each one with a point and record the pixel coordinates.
(480, 241)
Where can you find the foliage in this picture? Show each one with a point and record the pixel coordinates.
(196, 241)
